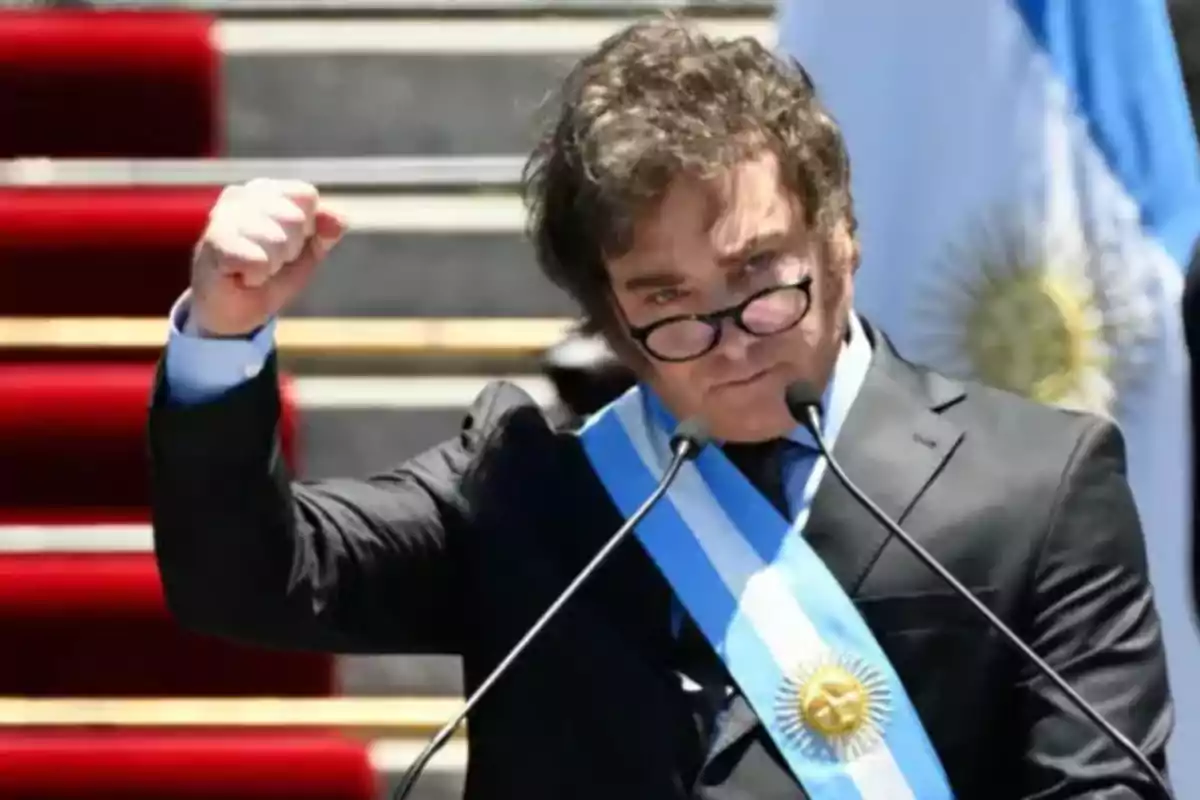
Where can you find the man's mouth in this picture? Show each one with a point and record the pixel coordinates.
(746, 381)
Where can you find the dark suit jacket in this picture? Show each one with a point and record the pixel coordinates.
(1191, 327)
(460, 549)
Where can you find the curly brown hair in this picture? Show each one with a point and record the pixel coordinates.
(657, 100)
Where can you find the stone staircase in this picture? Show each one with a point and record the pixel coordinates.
(417, 115)
(434, 87)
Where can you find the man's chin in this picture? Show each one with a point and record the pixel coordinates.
(751, 422)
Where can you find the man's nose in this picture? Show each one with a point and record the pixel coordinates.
(735, 342)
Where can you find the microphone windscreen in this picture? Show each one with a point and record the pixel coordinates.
(800, 397)
(692, 430)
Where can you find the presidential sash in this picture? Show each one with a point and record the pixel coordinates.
(786, 630)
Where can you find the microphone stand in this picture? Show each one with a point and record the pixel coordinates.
(812, 420)
(685, 445)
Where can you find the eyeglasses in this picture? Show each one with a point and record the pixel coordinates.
(688, 336)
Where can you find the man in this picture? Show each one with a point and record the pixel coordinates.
(762, 636)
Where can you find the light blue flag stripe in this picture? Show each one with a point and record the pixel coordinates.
(1118, 60)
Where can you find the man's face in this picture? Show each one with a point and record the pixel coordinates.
(709, 246)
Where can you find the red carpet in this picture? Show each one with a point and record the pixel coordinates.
(107, 84)
(97, 625)
(197, 766)
(97, 252)
(75, 438)
(130, 84)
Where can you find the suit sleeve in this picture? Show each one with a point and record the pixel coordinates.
(246, 553)
(1094, 620)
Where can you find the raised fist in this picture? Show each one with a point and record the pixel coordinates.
(263, 242)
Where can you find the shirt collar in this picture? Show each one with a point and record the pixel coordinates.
(849, 373)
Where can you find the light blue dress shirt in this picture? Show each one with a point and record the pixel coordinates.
(199, 369)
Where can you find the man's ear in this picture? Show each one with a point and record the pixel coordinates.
(845, 247)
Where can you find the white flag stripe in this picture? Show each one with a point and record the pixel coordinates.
(877, 775)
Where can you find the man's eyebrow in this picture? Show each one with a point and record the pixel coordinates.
(747, 247)
(662, 279)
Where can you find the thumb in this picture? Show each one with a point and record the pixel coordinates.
(329, 228)
(292, 277)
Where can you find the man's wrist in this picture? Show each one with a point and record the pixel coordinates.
(191, 327)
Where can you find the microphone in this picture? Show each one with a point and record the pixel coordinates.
(690, 438)
(804, 403)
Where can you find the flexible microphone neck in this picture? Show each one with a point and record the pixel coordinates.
(806, 409)
(686, 444)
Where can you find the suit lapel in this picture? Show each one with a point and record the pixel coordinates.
(893, 444)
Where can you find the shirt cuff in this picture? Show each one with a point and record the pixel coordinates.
(199, 369)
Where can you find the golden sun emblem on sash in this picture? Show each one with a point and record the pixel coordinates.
(838, 706)
(1059, 325)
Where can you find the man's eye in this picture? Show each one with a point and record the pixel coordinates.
(760, 262)
(664, 296)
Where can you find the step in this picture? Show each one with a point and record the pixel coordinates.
(409, 253)
(359, 675)
(443, 779)
(306, 344)
(96, 624)
(333, 426)
(118, 764)
(363, 718)
(360, 426)
(107, 71)
(74, 438)
(481, 274)
(380, 739)
(403, 86)
(107, 765)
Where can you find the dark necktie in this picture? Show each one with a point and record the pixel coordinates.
(763, 464)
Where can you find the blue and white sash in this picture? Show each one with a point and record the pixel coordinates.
(788, 633)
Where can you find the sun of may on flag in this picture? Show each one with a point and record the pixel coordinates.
(1026, 184)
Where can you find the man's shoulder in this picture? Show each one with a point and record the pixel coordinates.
(1048, 431)
(1012, 428)
(525, 470)
(505, 415)
(508, 429)
(1013, 432)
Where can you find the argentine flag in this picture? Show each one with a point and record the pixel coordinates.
(1026, 180)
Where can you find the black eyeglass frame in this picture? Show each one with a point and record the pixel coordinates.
(715, 319)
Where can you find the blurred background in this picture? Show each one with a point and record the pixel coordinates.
(119, 121)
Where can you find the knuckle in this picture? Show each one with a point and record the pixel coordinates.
(258, 184)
